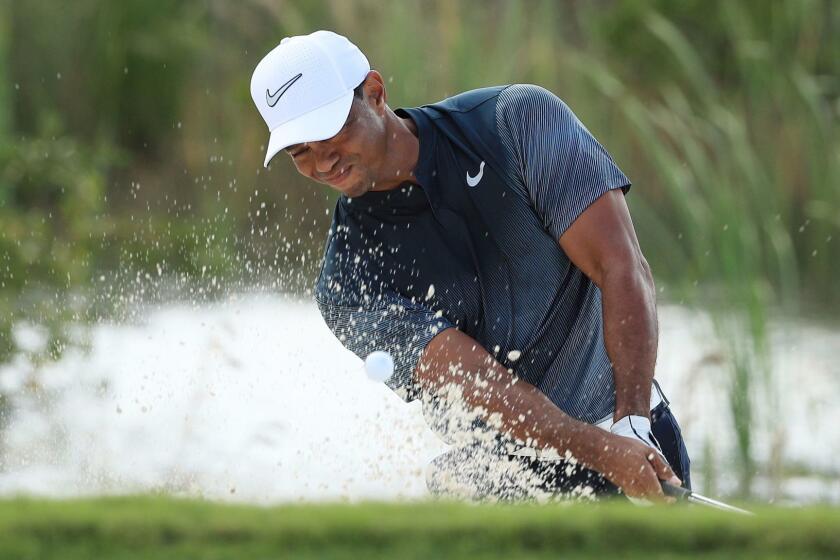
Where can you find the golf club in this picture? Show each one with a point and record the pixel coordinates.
(684, 494)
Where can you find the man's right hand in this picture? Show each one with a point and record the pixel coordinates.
(635, 468)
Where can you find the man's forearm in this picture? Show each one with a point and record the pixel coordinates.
(631, 336)
(524, 413)
(511, 406)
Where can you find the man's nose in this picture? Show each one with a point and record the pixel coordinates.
(325, 159)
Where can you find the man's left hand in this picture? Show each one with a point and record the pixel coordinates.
(638, 428)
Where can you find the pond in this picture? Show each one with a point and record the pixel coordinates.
(252, 399)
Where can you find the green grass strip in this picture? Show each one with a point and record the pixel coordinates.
(162, 528)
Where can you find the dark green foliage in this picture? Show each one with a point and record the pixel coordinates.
(113, 115)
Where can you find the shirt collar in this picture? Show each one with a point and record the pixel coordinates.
(424, 171)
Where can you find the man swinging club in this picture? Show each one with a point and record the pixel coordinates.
(485, 243)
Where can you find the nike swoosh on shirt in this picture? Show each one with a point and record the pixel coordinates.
(273, 98)
(473, 181)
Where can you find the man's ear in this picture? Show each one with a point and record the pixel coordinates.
(374, 88)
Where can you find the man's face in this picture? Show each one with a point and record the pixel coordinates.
(349, 161)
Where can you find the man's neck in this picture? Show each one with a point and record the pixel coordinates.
(402, 153)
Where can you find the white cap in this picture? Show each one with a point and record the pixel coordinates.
(303, 88)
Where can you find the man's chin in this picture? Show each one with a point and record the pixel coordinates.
(358, 189)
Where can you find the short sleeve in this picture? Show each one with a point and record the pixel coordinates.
(387, 322)
(553, 156)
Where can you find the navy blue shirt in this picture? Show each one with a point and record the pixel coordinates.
(502, 173)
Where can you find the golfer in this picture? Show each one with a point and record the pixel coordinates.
(485, 243)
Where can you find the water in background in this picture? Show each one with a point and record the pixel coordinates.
(253, 399)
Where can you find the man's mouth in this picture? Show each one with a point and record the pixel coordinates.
(338, 177)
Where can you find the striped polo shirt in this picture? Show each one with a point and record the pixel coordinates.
(472, 244)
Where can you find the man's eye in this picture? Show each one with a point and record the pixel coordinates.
(299, 152)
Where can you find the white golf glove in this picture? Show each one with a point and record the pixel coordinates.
(638, 428)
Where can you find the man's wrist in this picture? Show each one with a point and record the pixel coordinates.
(587, 445)
(643, 411)
(637, 405)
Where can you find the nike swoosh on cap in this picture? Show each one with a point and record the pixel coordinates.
(272, 98)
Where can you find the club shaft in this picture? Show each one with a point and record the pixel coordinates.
(689, 496)
(703, 500)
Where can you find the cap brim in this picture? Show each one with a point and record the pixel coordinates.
(319, 124)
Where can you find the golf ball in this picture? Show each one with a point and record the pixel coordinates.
(379, 365)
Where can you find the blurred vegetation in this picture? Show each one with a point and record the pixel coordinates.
(130, 152)
(145, 527)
